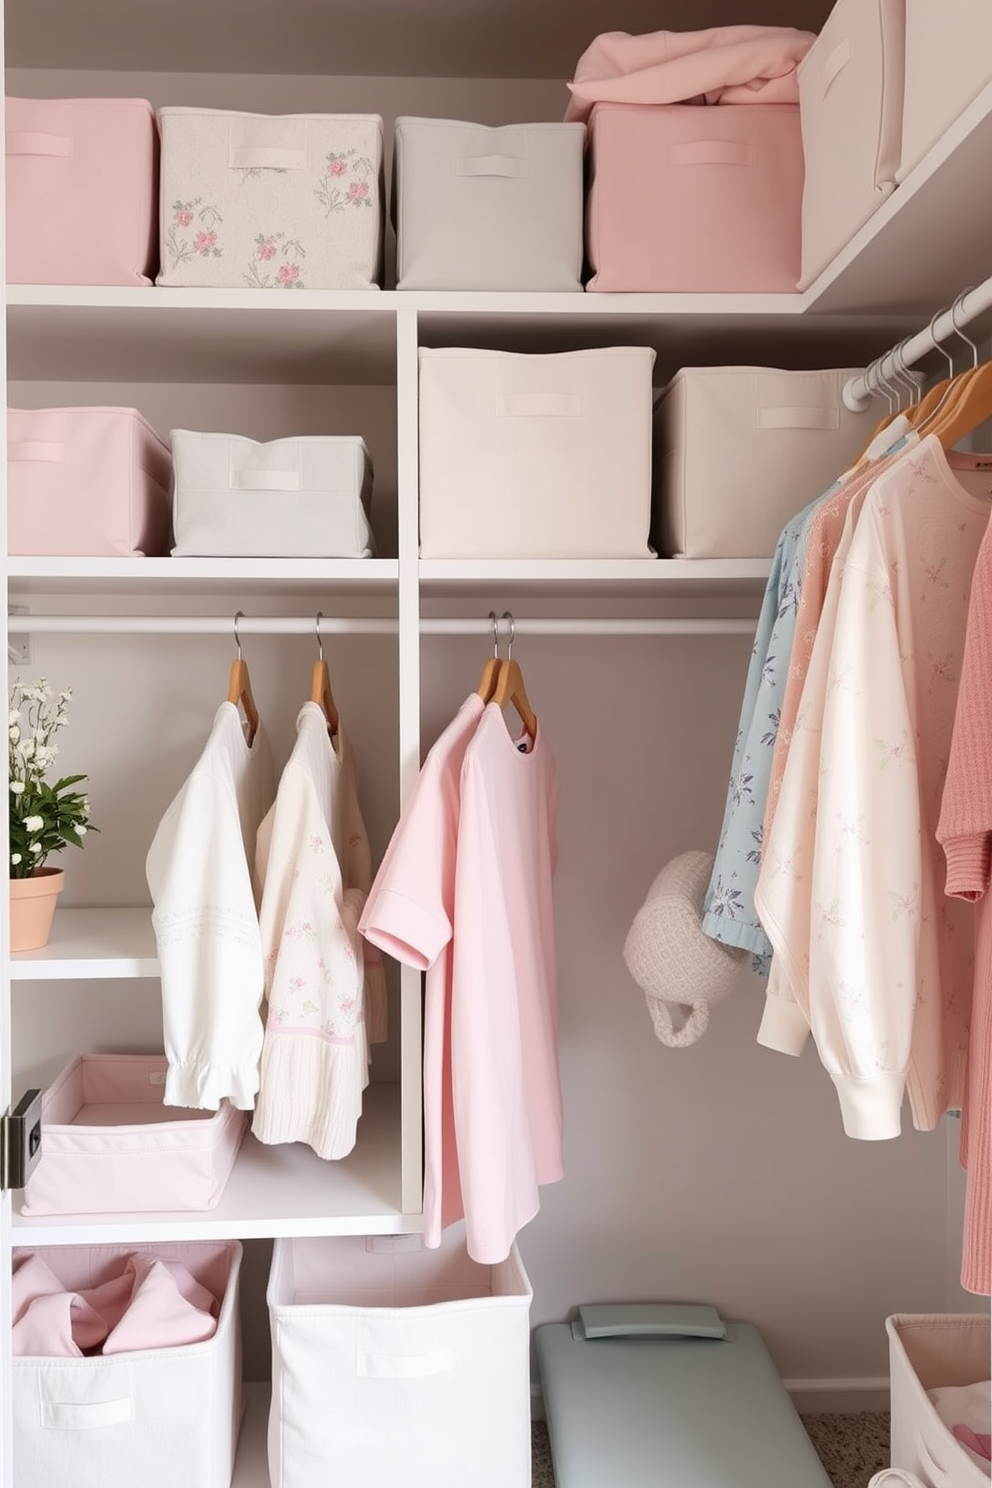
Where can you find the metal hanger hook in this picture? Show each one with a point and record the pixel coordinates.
(320, 638)
(239, 615)
(495, 625)
(939, 345)
(902, 373)
(957, 329)
(506, 615)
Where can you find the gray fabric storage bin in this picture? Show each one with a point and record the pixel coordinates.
(481, 208)
(304, 497)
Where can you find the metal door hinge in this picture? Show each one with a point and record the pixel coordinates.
(20, 1140)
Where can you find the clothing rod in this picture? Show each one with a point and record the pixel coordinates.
(968, 307)
(37, 624)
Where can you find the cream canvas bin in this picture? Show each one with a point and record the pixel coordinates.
(82, 191)
(850, 103)
(86, 482)
(305, 497)
(948, 63)
(740, 450)
(154, 1417)
(110, 1146)
(480, 208)
(285, 202)
(688, 199)
(396, 1364)
(926, 1352)
(535, 456)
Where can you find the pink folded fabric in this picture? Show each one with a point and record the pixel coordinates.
(724, 64)
(168, 1309)
(48, 1319)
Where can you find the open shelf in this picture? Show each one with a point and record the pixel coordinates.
(201, 576)
(87, 944)
(627, 578)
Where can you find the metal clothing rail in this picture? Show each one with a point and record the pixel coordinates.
(38, 624)
(967, 307)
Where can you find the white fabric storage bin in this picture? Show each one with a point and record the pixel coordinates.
(481, 208)
(850, 107)
(948, 63)
(929, 1351)
(109, 1145)
(392, 1363)
(305, 497)
(740, 450)
(154, 1417)
(86, 482)
(291, 201)
(535, 456)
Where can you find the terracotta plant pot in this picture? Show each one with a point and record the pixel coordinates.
(32, 908)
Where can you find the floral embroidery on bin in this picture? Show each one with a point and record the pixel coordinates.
(269, 247)
(192, 232)
(333, 193)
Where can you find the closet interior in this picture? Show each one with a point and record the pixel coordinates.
(715, 1174)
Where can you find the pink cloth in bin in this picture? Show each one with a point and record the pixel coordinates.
(150, 1304)
(724, 64)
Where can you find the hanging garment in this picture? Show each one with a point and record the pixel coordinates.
(206, 920)
(883, 965)
(313, 863)
(964, 830)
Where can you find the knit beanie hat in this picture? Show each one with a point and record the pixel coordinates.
(680, 969)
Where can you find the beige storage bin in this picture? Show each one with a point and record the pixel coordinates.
(926, 1352)
(948, 63)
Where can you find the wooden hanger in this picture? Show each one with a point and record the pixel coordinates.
(491, 670)
(239, 687)
(510, 686)
(320, 685)
(967, 401)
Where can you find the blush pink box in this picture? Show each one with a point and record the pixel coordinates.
(686, 199)
(87, 482)
(109, 1145)
(82, 191)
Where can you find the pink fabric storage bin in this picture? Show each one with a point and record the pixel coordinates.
(930, 1351)
(82, 191)
(154, 1417)
(948, 63)
(393, 1363)
(691, 199)
(109, 1145)
(86, 482)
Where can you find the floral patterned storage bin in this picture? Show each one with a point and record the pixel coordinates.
(266, 201)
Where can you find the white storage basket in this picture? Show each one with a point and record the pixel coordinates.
(948, 63)
(545, 456)
(290, 201)
(480, 208)
(850, 107)
(392, 1363)
(154, 1417)
(305, 497)
(928, 1351)
(740, 450)
(109, 1145)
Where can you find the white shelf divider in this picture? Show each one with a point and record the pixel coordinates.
(251, 1466)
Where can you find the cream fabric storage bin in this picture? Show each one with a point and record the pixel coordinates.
(481, 208)
(109, 1145)
(305, 497)
(154, 1417)
(850, 104)
(948, 63)
(740, 450)
(291, 201)
(86, 482)
(82, 191)
(543, 456)
(396, 1364)
(928, 1351)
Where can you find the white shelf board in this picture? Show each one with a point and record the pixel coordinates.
(92, 943)
(628, 578)
(251, 1465)
(286, 1190)
(202, 576)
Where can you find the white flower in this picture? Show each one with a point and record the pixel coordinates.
(15, 857)
(80, 830)
(35, 847)
(34, 823)
(16, 787)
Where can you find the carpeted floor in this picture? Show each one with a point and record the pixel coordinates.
(851, 1448)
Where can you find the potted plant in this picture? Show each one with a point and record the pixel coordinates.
(44, 816)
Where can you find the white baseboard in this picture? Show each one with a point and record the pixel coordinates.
(810, 1396)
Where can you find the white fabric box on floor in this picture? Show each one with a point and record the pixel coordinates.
(109, 1145)
(481, 208)
(850, 104)
(535, 456)
(933, 1351)
(305, 497)
(740, 450)
(86, 482)
(156, 1417)
(948, 63)
(393, 1363)
(291, 201)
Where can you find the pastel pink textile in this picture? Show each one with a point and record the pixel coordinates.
(724, 64)
(149, 1304)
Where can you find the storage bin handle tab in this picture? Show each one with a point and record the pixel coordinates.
(47, 451)
(712, 152)
(797, 418)
(265, 480)
(34, 142)
(405, 1366)
(834, 64)
(87, 1415)
(490, 165)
